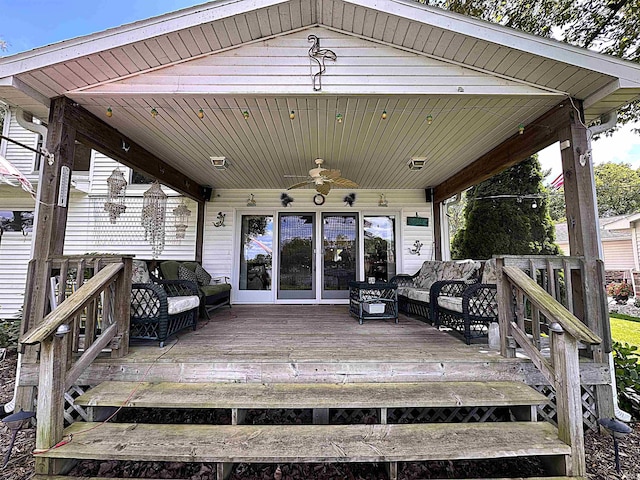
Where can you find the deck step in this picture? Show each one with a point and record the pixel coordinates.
(65, 477)
(311, 395)
(308, 443)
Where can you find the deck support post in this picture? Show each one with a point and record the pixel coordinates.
(321, 416)
(505, 310)
(590, 305)
(392, 470)
(51, 220)
(564, 352)
(50, 413)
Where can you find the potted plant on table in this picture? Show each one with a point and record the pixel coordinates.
(620, 292)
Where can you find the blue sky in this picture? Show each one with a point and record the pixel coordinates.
(35, 23)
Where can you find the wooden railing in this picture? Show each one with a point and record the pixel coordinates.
(529, 314)
(58, 334)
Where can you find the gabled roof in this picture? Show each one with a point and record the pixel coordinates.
(479, 78)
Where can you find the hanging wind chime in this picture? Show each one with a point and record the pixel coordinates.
(182, 214)
(154, 208)
(117, 187)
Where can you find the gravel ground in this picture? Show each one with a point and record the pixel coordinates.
(599, 451)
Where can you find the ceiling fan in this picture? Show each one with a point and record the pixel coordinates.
(324, 178)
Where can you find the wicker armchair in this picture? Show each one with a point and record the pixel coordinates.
(160, 308)
(466, 308)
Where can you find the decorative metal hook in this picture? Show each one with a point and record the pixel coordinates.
(415, 250)
(220, 222)
(319, 56)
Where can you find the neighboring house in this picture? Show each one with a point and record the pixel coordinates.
(620, 241)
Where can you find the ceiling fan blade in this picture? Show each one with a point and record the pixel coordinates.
(332, 174)
(323, 188)
(345, 182)
(295, 176)
(299, 185)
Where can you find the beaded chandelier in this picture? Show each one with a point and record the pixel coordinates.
(154, 208)
(182, 214)
(117, 187)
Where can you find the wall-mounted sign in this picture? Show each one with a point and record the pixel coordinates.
(418, 221)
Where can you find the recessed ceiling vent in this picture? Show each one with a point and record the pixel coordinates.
(417, 163)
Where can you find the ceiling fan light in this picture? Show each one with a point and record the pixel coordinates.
(219, 163)
(417, 163)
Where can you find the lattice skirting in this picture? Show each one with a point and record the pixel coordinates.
(73, 412)
(589, 409)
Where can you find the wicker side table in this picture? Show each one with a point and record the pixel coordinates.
(373, 301)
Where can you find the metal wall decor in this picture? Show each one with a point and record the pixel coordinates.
(154, 209)
(181, 214)
(350, 199)
(415, 250)
(285, 199)
(220, 222)
(117, 188)
(319, 56)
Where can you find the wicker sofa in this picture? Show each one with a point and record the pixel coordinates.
(214, 292)
(466, 308)
(414, 291)
(160, 308)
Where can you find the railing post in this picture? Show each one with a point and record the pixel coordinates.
(50, 414)
(121, 307)
(505, 309)
(564, 352)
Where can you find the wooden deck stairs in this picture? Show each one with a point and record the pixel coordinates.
(384, 442)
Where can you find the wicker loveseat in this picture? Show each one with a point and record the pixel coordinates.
(160, 308)
(414, 291)
(213, 292)
(467, 309)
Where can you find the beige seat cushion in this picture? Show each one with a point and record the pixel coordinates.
(419, 294)
(451, 303)
(182, 303)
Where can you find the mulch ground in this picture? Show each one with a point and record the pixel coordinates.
(599, 452)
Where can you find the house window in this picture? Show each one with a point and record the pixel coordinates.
(16, 221)
(379, 247)
(138, 178)
(256, 252)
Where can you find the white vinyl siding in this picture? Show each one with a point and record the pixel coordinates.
(618, 254)
(282, 66)
(20, 157)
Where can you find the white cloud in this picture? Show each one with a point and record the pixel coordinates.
(622, 147)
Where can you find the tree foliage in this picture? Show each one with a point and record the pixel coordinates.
(606, 26)
(617, 189)
(507, 214)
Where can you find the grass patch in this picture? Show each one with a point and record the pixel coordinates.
(625, 331)
(622, 316)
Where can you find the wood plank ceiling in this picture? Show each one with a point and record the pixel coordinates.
(269, 145)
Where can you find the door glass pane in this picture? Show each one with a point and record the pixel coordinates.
(379, 247)
(340, 255)
(256, 252)
(296, 278)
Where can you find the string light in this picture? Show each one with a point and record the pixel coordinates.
(245, 114)
(429, 119)
(154, 112)
(200, 114)
(292, 115)
(384, 115)
(521, 129)
(109, 112)
(339, 117)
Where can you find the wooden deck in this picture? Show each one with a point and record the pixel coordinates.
(311, 343)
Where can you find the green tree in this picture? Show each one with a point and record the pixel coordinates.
(557, 205)
(606, 26)
(617, 189)
(507, 214)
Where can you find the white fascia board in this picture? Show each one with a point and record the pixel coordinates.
(623, 223)
(19, 85)
(127, 34)
(498, 34)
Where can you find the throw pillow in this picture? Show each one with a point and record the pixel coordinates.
(185, 274)
(203, 276)
(140, 273)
